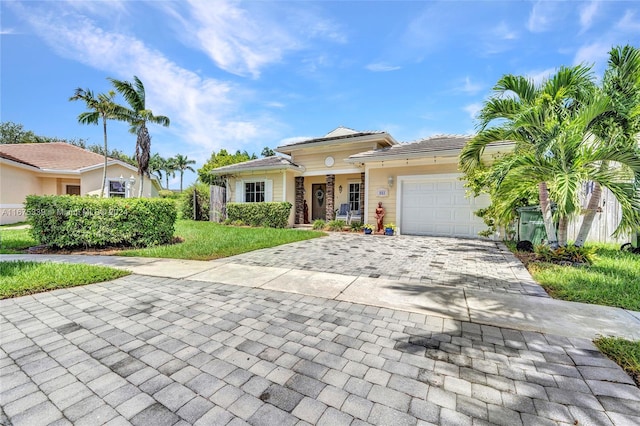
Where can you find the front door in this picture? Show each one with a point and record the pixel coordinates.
(318, 202)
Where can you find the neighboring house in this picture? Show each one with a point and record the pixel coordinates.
(60, 168)
(418, 183)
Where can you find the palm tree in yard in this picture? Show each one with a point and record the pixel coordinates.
(557, 147)
(101, 107)
(181, 164)
(169, 169)
(621, 83)
(138, 116)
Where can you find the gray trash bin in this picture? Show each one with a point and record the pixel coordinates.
(531, 225)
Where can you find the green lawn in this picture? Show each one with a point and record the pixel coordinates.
(612, 280)
(624, 352)
(13, 241)
(208, 240)
(19, 278)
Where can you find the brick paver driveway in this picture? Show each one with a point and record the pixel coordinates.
(455, 262)
(152, 351)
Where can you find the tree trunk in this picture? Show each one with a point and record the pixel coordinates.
(547, 216)
(104, 171)
(589, 216)
(141, 185)
(181, 176)
(563, 227)
(167, 176)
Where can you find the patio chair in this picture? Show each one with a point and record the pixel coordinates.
(355, 216)
(343, 213)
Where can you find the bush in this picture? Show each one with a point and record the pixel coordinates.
(356, 226)
(319, 224)
(64, 221)
(167, 193)
(268, 215)
(336, 225)
(565, 255)
(202, 202)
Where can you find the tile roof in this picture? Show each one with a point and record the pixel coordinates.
(274, 162)
(51, 156)
(338, 134)
(430, 145)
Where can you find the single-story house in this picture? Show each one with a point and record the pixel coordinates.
(59, 168)
(418, 183)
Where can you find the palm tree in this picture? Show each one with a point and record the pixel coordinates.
(523, 112)
(156, 163)
(556, 148)
(181, 164)
(103, 107)
(621, 83)
(137, 116)
(169, 169)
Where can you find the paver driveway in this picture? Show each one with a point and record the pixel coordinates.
(454, 262)
(152, 351)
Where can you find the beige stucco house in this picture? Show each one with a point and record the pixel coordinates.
(60, 168)
(418, 183)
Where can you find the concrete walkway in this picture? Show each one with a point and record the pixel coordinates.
(233, 342)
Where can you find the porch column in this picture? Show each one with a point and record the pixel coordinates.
(299, 207)
(362, 192)
(331, 179)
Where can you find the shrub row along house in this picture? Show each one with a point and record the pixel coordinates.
(59, 168)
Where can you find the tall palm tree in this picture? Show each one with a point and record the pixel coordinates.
(621, 83)
(169, 169)
(181, 164)
(521, 111)
(103, 107)
(138, 116)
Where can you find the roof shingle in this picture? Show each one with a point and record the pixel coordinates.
(274, 162)
(51, 156)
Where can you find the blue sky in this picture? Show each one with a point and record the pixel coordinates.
(245, 75)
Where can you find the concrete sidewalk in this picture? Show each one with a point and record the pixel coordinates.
(517, 311)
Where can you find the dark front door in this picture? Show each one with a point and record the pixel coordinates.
(318, 201)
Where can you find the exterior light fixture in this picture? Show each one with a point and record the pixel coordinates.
(390, 181)
(340, 189)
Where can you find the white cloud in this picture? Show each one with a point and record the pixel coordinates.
(473, 109)
(469, 87)
(381, 67)
(7, 31)
(587, 14)
(294, 139)
(538, 76)
(203, 111)
(592, 53)
(275, 104)
(503, 32)
(245, 38)
(541, 16)
(629, 22)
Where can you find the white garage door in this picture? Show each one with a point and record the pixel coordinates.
(439, 207)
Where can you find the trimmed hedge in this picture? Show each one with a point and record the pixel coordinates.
(268, 215)
(202, 202)
(64, 221)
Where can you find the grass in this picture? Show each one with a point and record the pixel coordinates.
(19, 278)
(14, 241)
(208, 240)
(612, 280)
(624, 352)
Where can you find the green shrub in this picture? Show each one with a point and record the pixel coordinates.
(227, 221)
(356, 226)
(237, 222)
(336, 225)
(319, 224)
(268, 215)
(202, 197)
(63, 221)
(167, 193)
(568, 254)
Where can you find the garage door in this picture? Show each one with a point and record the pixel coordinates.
(439, 207)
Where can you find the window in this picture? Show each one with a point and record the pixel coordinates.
(117, 188)
(254, 192)
(73, 189)
(354, 197)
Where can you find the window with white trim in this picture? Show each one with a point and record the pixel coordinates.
(254, 192)
(354, 197)
(117, 188)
